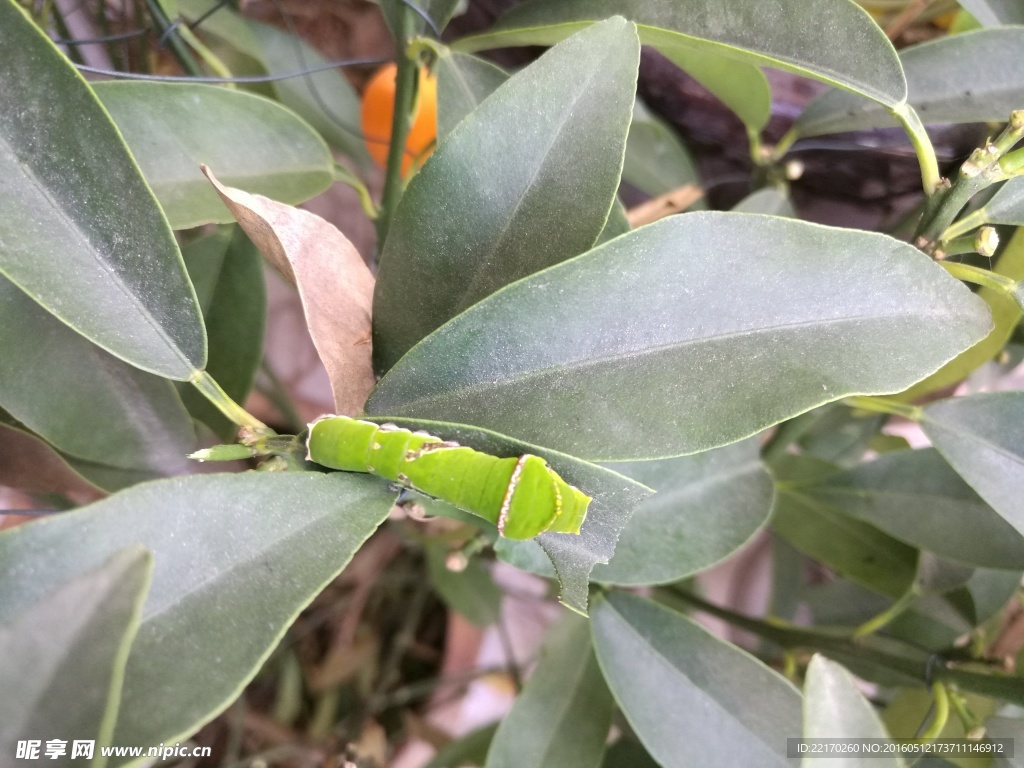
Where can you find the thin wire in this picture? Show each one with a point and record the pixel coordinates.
(100, 40)
(240, 79)
(208, 14)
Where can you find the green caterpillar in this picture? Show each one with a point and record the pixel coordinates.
(522, 495)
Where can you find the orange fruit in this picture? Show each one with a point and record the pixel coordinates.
(378, 110)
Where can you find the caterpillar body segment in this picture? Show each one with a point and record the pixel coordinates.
(521, 495)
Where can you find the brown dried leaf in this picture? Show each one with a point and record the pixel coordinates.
(334, 283)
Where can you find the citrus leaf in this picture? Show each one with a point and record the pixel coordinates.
(1007, 205)
(656, 161)
(255, 144)
(236, 558)
(1006, 314)
(835, 709)
(503, 196)
(698, 331)
(62, 659)
(324, 99)
(685, 692)
(563, 715)
(962, 78)
(980, 437)
(107, 414)
(916, 497)
(768, 201)
(832, 41)
(993, 13)
(80, 232)
(470, 592)
(227, 272)
(706, 507)
(463, 81)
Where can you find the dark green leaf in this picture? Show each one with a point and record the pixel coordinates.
(250, 142)
(656, 161)
(85, 402)
(849, 547)
(706, 507)
(690, 697)
(227, 272)
(614, 499)
(769, 201)
(237, 557)
(981, 437)
(324, 99)
(916, 497)
(470, 592)
(688, 334)
(563, 714)
(80, 231)
(463, 81)
(835, 709)
(524, 183)
(833, 41)
(1007, 205)
(1006, 314)
(993, 13)
(62, 658)
(617, 224)
(627, 754)
(956, 79)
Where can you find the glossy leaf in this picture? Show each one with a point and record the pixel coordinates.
(699, 330)
(503, 197)
(237, 557)
(656, 161)
(835, 42)
(62, 659)
(980, 436)
(835, 709)
(916, 497)
(706, 507)
(324, 99)
(851, 548)
(80, 231)
(738, 84)
(254, 143)
(227, 272)
(687, 693)
(107, 414)
(769, 201)
(614, 499)
(463, 81)
(963, 78)
(564, 712)
(993, 13)
(1007, 205)
(470, 592)
(1006, 314)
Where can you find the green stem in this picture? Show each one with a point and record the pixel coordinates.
(884, 405)
(886, 617)
(894, 655)
(213, 61)
(930, 176)
(787, 141)
(212, 391)
(941, 712)
(985, 242)
(345, 176)
(174, 41)
(406, 82)
(966, 224)
(1013, 163)
(983, 277)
